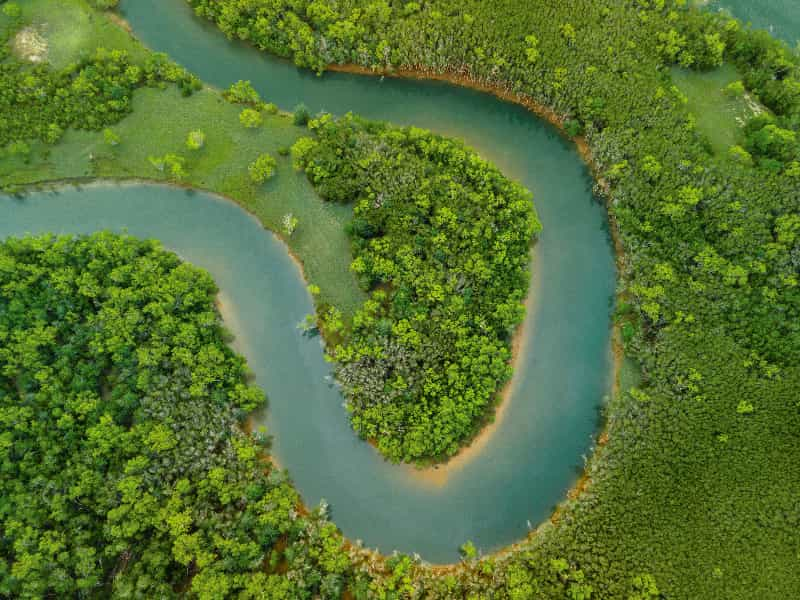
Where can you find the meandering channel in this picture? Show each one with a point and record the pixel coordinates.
(535, 454)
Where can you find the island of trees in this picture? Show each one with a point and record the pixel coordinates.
(441, 241)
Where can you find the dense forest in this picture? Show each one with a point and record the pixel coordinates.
(441, 240)
(125, 470)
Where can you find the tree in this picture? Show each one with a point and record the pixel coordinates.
(54, 133)
(172, 163)
(568, 33)
(645, 588)
(196, 140)
(111, 137)
(301, 114)
(131, 484)
(12, 10)
(532, 48)
(242, 92)
(468, 551)
(250, 118)
(262, 168)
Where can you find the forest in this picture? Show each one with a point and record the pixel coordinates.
(441, 241)
(125, 467)
(114, 369)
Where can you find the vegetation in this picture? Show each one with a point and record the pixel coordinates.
(196, 140)
(441, 241)
(158, 123)
(718, 102)
(125, 470)
(88, 95)
(709, 278)
(262, 168)
(693, 493)
(250, 118)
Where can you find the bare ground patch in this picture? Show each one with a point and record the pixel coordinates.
(30, 44)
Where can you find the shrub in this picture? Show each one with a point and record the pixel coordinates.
(301, 115)
(196, 140)
(250, 118)
(262, 168)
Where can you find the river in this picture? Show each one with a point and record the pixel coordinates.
(536, 452)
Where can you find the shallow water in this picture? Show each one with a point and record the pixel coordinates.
(780, 17)
(535, 455)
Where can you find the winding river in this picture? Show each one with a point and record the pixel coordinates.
(524, 468)
(536, 452)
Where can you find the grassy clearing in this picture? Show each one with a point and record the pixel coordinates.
(719, 115)
(71, 28)
(160, 123)
(630, 375)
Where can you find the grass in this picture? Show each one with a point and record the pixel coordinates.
(630, 375)
(71, 28)
(160, 123)
(719, 115)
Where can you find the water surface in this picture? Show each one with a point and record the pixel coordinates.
(562, 377)
(779, 17)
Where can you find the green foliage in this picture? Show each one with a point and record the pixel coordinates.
(242, 92)
(301, 115)
(645, 588)
(104, 4)
(251, 119)
(469, 551)
(710, 271)
(289, 223)
(12, 10)
(735, 89)
(262, 168)
(110, 137)
(532, 51)
(90, 95)
(721, 330)
(173, 164)
(195, 140)
(441, 241)
(772, 142)
(38, 103)
(113, 373)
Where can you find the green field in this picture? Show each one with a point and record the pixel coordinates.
(73, 29)
(719, 115)
(160, 123)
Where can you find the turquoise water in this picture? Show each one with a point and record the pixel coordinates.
(535, 455)
(780, 17)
